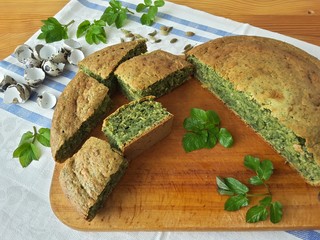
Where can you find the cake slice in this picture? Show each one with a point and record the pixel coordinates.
(274, 87)
(101, 64)
(155, 73)
(89, 176)
(136, 126)
(82, 104)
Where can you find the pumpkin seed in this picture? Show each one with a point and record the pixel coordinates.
(173, 40)
(190, 34)
(153, 33)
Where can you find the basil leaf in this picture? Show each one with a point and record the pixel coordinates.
(193, 141)
(256, 214)
(213, 117)
(225, 138)
(192, 124)
(276, 212)
(141, 7)
(234, 203)
(20, 150)
(152, 12)
(148, 2)
(44, 136)
(26, 137)
(26, 158)
(122, 16)
(159, 3)
(36, 153)
(82, 28)
(252, 162)
(212, 137)
(146, 20)
(199, 114)
(236, 186)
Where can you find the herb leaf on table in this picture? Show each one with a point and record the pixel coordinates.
(52, 30)
(148, 18)
(203, 131)
(239, 193)
(27, 151)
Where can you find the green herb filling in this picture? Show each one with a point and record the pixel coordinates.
(159, 88)
(280, 137)
(133, 120)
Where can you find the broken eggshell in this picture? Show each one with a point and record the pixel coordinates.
(23, 52)
(32, 63)
(71, 44)
(34, 76)
(5, 82)
(75, 56)
(52, 69)
(36, 51)
(47, 52)
(46, 100)
(61, 56)
(18, 93)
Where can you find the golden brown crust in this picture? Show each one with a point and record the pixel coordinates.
(156, 66)
(105, 61)
(85, 175)
(77, 103)
(279, 76)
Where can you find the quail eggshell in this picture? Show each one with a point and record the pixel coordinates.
(18, 93)
(52, 69)
(34, 76)
(32, 62)
(61, 56)
(75, 56)
(70, 44)
(6, 81)
(47, 100)
(36, 51)
(47, 52)
(23, 52)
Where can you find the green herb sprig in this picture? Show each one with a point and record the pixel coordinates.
(115, 14)
(239, 192)
(148, 18)
(52, 30)
(94, 32)
(203, 131)
(27, 151)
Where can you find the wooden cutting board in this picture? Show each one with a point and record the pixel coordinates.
(167, 189)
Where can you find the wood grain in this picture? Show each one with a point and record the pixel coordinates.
(165, 188)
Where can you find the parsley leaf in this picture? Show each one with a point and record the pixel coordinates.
(240, 193)
(94, 32)
(236, 202)
(27, 151)
(148, 18)
(53, 30)
(115, 14)
(276, 212)
(203, 131)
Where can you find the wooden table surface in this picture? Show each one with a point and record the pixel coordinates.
(300, 19)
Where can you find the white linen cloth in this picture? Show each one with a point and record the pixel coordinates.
(25, 211)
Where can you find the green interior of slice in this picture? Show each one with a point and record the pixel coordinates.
(159, 88)
(281, 138)
(132, 120)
